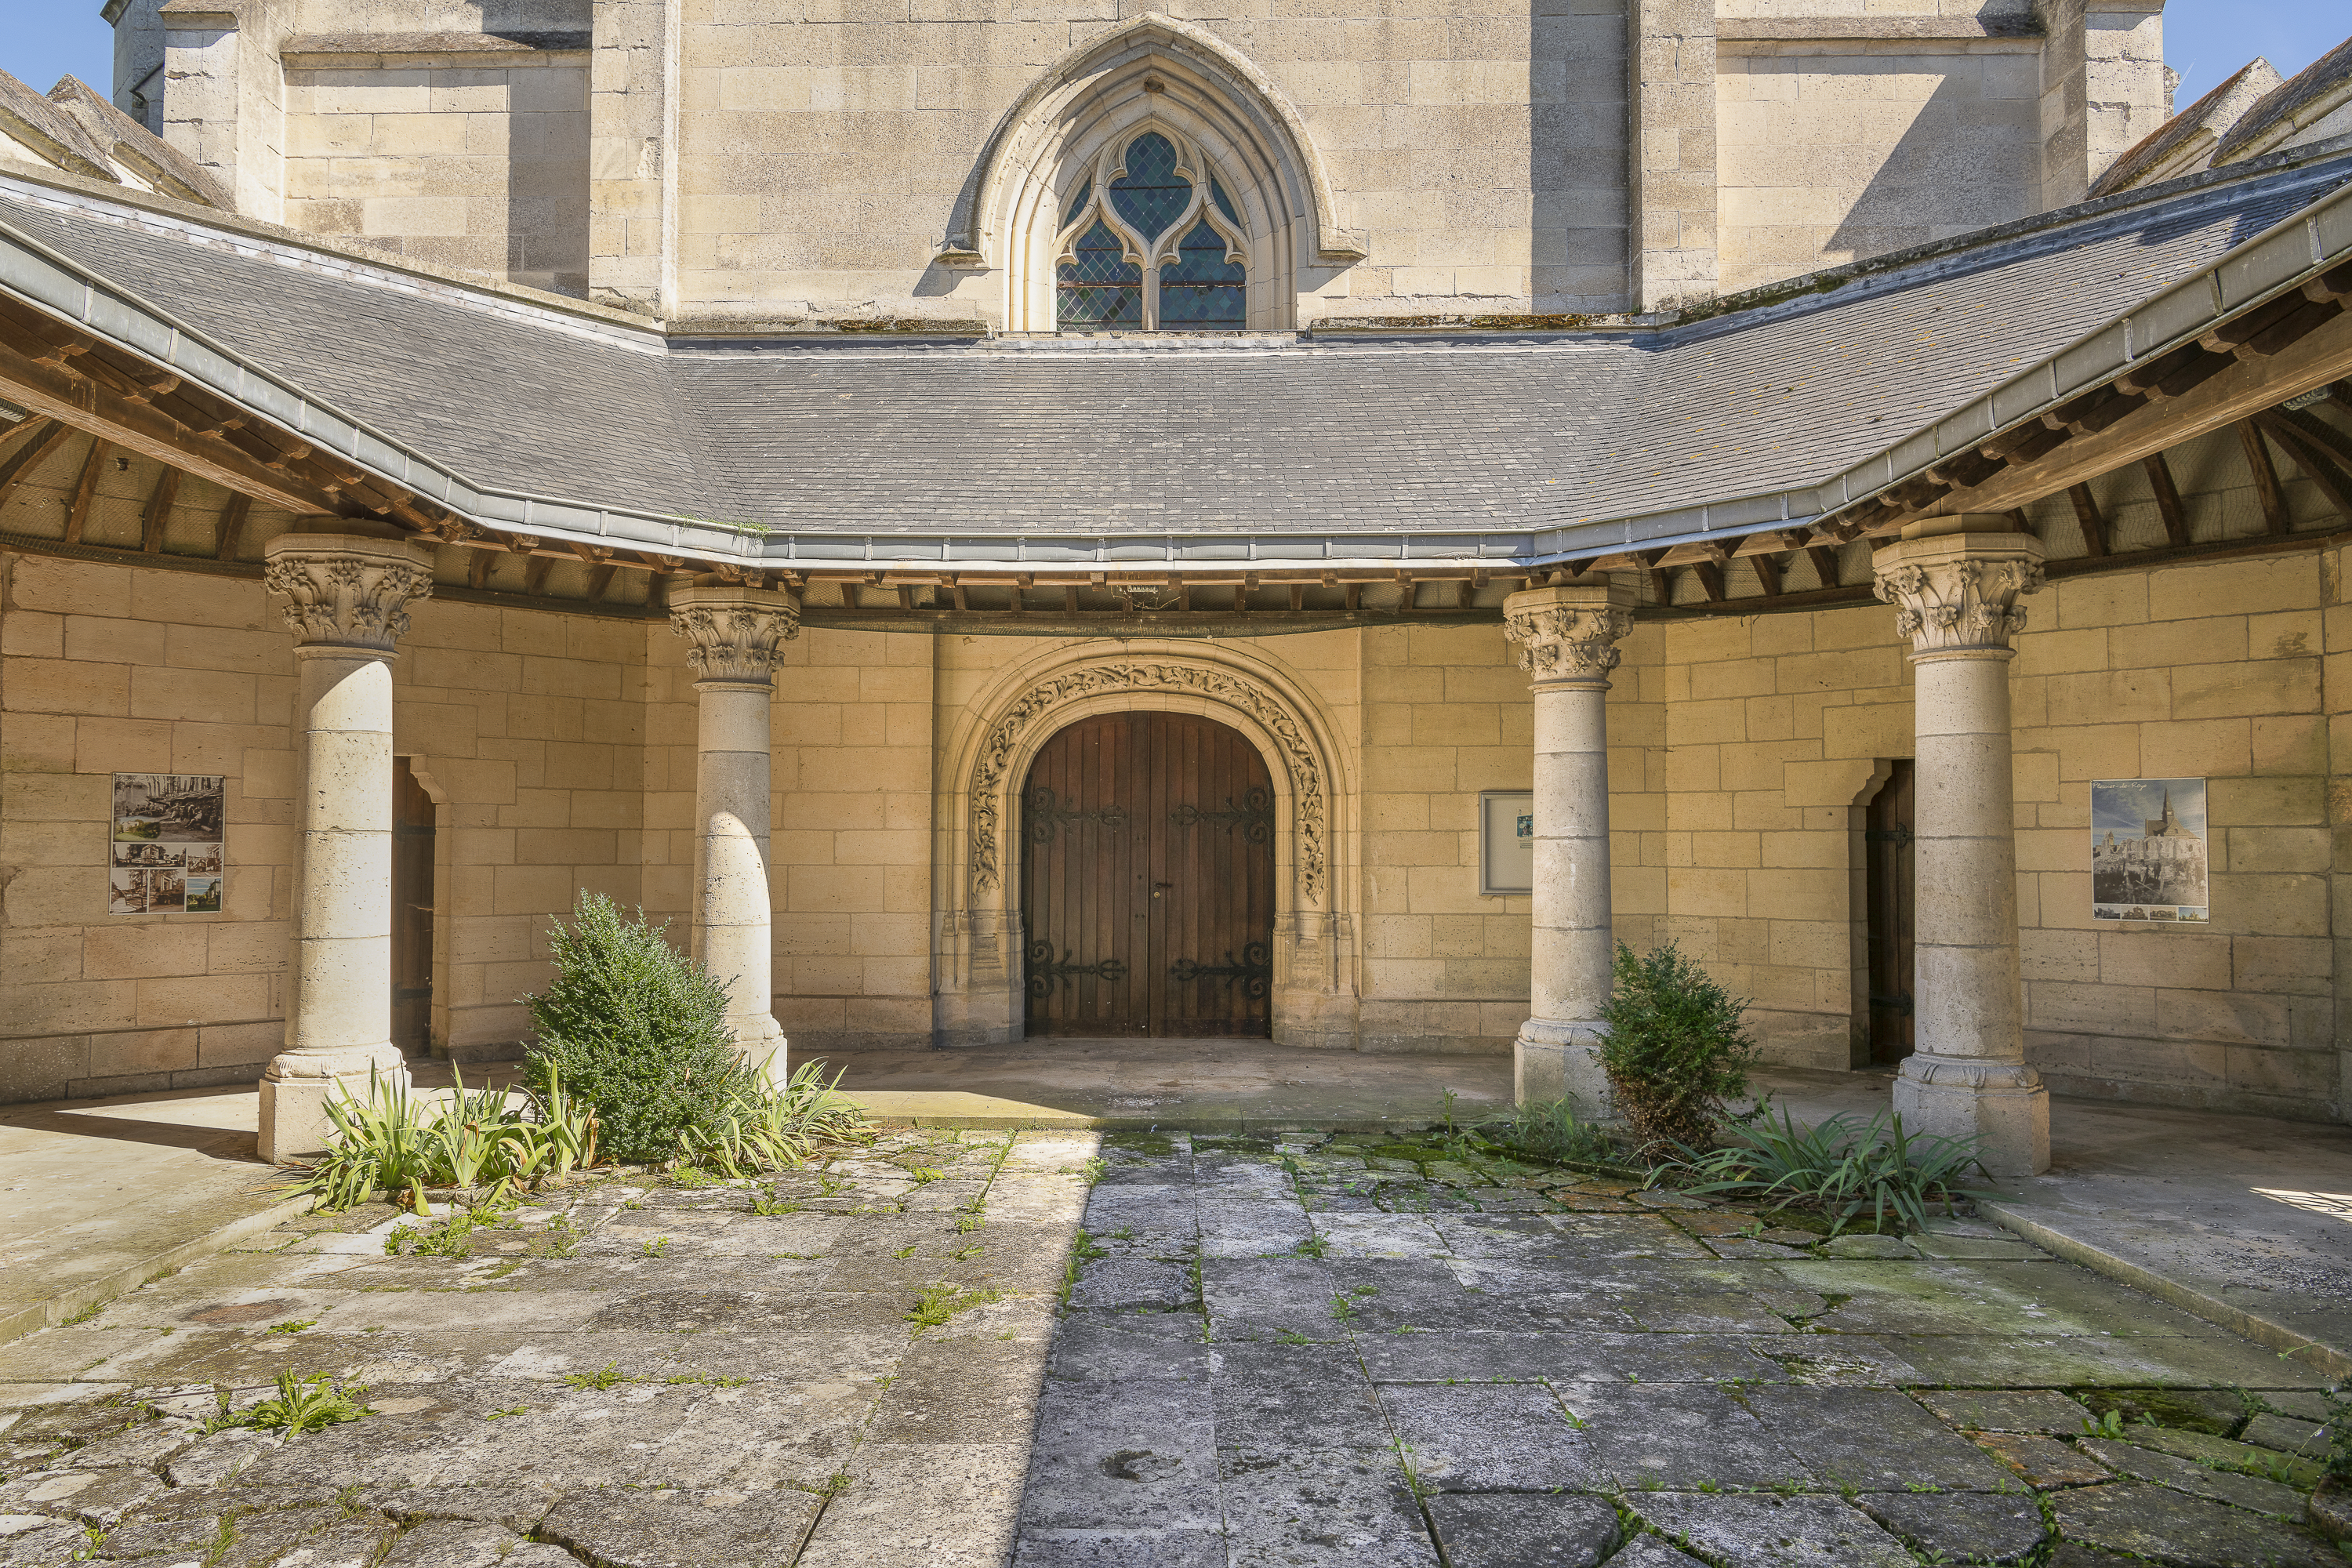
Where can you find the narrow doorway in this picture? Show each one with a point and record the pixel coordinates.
(411, 911)
(1148, 880)
(1886, 838)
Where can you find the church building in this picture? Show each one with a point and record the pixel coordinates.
(1008, 518)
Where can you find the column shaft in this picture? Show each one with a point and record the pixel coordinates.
(1569, 635)
(347, 605)
(1968, 1075)
(737, 635)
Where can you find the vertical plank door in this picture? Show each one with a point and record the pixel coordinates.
(412, 910)
(1887, 870)
(1147, 879)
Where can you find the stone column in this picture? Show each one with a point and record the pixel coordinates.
(347, 603)
(1956, 591)
(1569, 637)
(738, 636)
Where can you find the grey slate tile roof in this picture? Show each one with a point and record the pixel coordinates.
(1336, 435)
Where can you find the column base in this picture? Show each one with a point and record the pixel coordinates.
(2002, 1104)
(297, 1085)
(1555, 1059)
(761, 1041)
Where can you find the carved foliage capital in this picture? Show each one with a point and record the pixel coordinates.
(347, 592)
(1953, 596)
(738, 633)
(1569, 634)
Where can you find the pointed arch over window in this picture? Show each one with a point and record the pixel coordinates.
(1151, 242)
(1151, 110)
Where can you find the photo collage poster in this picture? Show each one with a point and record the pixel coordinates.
(165, 847)
(2148, 860)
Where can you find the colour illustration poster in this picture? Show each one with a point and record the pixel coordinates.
(165, 849)
(2148, 850)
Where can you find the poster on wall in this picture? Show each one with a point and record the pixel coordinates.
(1506, 841)
(166, 848)
(2147, 850)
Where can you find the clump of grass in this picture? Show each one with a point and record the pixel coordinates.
(293, 1325)
(1835, 1168)
(939, 1304)
(300, 1405)
(387, 1141)
(604, 1376)
(1549, 1133)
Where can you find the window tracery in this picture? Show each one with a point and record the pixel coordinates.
(1151, 242)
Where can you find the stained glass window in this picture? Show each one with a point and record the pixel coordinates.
(1195, 289)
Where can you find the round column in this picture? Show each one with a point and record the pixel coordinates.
(347, 601)
(1955, 595)
(738, 636)
(1568, 638)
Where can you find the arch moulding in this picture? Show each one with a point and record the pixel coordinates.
(978, 980)
(1240, 110)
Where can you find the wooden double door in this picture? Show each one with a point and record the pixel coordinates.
(1147, 879)
(1892, 911)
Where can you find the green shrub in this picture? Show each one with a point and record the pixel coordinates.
(635, 1030)
(1674, 1050)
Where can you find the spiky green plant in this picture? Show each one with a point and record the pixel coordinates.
(1835, 1168)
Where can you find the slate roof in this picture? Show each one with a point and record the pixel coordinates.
(845, 447)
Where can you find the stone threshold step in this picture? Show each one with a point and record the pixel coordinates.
(22, 1314)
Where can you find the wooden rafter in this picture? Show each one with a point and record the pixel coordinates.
(1825, 563)
(19, 467)
(2316, 461)
(85, 493)
(2266, 480)
(155, 522)
(232, 527)
(2167, 498)
(2086, 512)
(1767, 573)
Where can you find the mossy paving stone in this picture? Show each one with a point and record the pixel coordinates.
(2168, 1527)
(1494, 1437)
(1652, 1552)
(1772, 1531)
(2206, 1449)
(2042, 1461)
(1522, 1531)
(2029, 1411)
(462, 1543)
(1874, 1438)
(35, 1540)
(516, 1509)
(1346, 1506)
(2217, 1412)
(1141, 1455)
(94, 1497)
(2244, 1491)
(1132, 1282)
(1682, 1435)
(1965, 1527)
(625, 1527)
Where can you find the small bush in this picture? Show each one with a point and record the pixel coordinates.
(636, 1031)
(1675, 1049)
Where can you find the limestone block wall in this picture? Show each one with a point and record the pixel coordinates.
(821, 149)
(849, 852)
(1446, 714)
(470, 160)
(1837, 150)
(525, 728)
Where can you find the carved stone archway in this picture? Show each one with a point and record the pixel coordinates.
(977, 958)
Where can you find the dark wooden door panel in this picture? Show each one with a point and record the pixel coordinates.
(1148, 887)
(412, 910)
(1888, 872)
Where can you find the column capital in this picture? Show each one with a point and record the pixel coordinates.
(738, 634)
(1957, 593)
(1569, 632)
(346, 591)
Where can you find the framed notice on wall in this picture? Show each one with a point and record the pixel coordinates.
(165, 854)
(1506, 841)
(2147, 850)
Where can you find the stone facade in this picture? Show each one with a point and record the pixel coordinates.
(734, 167)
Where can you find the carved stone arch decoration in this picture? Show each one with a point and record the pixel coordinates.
(1152, 72)
(978, 981)
(1309, 790)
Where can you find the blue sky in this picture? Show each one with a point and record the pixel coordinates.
(2205, 41)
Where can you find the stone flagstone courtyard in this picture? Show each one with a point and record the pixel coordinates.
(1074, 1349)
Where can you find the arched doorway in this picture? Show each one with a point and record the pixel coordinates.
(1147, 879)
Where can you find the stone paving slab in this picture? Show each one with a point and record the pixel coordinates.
(1147, 1348)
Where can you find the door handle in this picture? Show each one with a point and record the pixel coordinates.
(1160, 887)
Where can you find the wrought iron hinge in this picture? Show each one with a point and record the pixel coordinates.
(1897, 834)
(1891, 1004)
(1254, 973)
(1045, 969)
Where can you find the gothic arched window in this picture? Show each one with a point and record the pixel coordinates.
(1151, 243)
